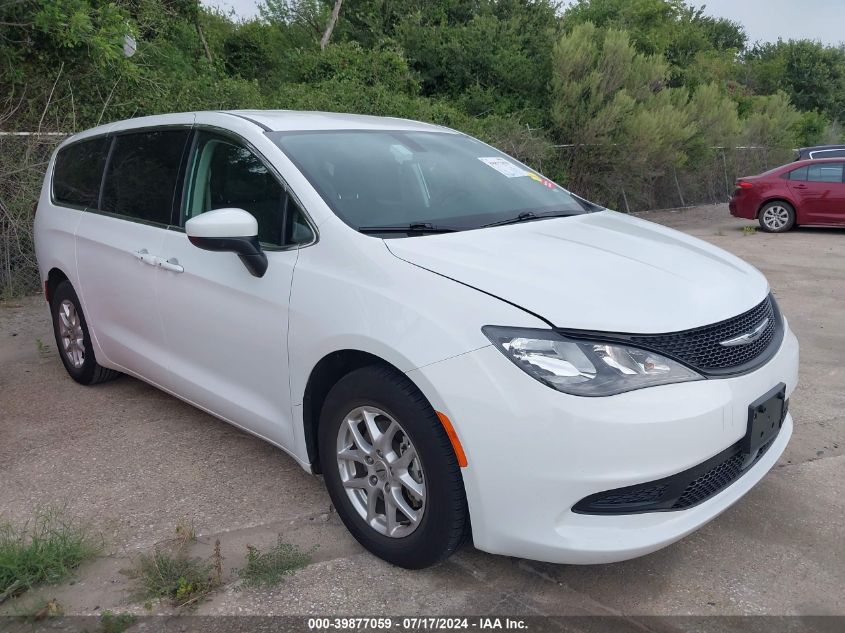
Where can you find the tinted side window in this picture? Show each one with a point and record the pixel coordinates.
(225, 174)
(142, 174)
(798, 174)
(79, 171)
(825, 172)
(829, 153)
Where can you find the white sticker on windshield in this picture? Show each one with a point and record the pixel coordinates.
(503, 166)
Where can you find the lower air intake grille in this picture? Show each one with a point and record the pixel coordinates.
(678, 492)
(714, 480)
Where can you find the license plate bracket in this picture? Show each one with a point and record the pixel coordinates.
(765, 418)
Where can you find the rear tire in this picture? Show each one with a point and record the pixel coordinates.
(777, 217)
(405, 467)
(73, 339)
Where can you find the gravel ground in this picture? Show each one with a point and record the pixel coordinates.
(132, 461)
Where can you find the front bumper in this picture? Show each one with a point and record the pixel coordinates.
(533, 452)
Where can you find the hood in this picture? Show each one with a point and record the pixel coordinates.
(601, 271)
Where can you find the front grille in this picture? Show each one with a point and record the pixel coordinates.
(700, 348)
(678, 492)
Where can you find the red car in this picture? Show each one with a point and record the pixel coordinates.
(803, 192)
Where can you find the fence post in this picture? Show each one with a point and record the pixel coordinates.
(7, 250)
(678, 186)
(625, 198)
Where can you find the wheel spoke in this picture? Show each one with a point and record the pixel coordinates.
(406, 458)
(372, 428)
(372, 500)
(390, 514)
(412, 485)
(352, 455)
(362, 444)
(358, 482)
(386, 440)
(402, 505)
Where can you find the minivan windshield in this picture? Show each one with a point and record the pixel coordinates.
(400, 182)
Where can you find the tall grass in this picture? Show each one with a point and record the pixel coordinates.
(47, 549)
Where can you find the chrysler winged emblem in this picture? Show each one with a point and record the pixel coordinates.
(748, 337)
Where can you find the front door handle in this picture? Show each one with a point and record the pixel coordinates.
(145, 256)
(800, 186)
(172, 265)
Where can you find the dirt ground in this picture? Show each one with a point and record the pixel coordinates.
(133, 461)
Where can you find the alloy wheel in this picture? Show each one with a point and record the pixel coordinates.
(71, 334)
(381, 471)
(776, 217)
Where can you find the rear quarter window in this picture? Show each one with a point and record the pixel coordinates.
(79, 171)
(798, 174)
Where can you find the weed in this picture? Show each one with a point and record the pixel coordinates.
(43, 348)
(217, 563)
(185, 532)
(174, 577)
(115, 622)
(268, 568)
(749, 230)
(47, 549)
(38, 611)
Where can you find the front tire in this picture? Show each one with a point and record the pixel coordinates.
(777, 217)
(73, 339)
(390, 468)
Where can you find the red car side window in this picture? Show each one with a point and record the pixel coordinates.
(825, 172)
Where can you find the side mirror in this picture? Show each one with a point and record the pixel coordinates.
(229, 230)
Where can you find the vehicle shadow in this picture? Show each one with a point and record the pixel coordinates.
(820, 229)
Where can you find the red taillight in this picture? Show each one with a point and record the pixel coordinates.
(743, 184)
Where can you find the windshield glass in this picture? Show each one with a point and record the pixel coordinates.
(382, 178)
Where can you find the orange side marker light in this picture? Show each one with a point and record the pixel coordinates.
(453, 437)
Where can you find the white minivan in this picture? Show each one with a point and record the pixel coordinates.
(459, 345)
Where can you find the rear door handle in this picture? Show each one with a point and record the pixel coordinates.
(171, 264)
(800, 186)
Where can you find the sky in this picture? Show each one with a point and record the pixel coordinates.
(764, 20)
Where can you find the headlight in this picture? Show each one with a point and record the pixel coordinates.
(585, 368)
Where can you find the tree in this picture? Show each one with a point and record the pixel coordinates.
(327, 34)
(612, 105)
(682, 33)
(813, 75)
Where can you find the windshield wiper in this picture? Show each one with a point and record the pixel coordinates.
(527, 216)
(413, 227)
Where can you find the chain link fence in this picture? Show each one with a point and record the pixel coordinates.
(23, 160)
(608, 181)
(597, 174)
